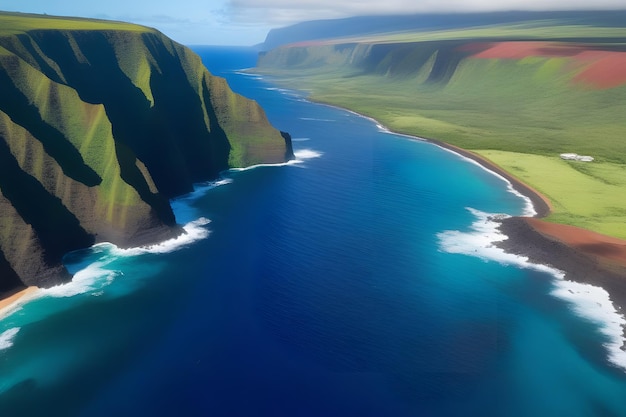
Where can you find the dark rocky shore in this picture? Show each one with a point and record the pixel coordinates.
(578, 265)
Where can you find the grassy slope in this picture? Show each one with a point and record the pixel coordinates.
(19, 23)
(529, 107)
(532, 30)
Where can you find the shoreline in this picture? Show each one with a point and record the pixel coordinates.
(540, 203)
(156, 240)
(585, 257)
(553, 232)
(11, 299)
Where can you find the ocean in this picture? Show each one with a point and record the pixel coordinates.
(357, 280)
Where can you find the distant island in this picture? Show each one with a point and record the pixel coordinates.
(514, 91)
(101, 123)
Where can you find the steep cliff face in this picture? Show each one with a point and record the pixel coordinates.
(585, 63)
(98, 128)
(437, 60)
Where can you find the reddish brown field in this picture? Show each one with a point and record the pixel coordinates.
(603, 69)
(594, 244)
(523, 49)
(597, 68)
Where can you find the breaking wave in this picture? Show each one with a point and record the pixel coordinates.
(6, 337)
(587, 301)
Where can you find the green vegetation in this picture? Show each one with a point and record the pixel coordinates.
(520, 113)
(19, 23)
(100, 123)
(537, 30)
(589, 195)
(488, 104)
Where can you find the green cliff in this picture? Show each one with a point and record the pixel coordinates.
(100, 124)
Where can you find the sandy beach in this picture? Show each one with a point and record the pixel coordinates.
(9, 299)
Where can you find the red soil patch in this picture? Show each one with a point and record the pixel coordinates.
(519, 50)
(600, 69)
(594, 244)
(603, 69)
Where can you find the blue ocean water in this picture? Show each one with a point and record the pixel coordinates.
(339, 285)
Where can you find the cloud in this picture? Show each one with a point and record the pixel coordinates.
(279, 12)
(247, 21)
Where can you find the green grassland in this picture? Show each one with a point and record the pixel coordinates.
(520, 114)
(17, 23)
(533, 30)
(589, 195)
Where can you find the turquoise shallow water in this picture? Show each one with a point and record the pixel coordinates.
(335, 286)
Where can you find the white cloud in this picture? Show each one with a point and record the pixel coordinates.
(280, 12)
(245, 22)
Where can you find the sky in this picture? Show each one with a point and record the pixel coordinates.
(246, 22)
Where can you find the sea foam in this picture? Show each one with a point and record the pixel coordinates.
(6, 337)
(480, 241)
(91, 278)
(304, 154)
(292, 95)
(99, 274)
(594, 303)
(301, 156)
(587, 301)
(201, 188)
(316, 119)
(194, 231)
(250, 75)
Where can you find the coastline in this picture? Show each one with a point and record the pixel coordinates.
(159, 239)
(540, 203)
(611, 257)
(584, 257)
(146, 239)
(10, 299)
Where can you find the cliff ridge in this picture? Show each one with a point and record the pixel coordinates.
(99, 128)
